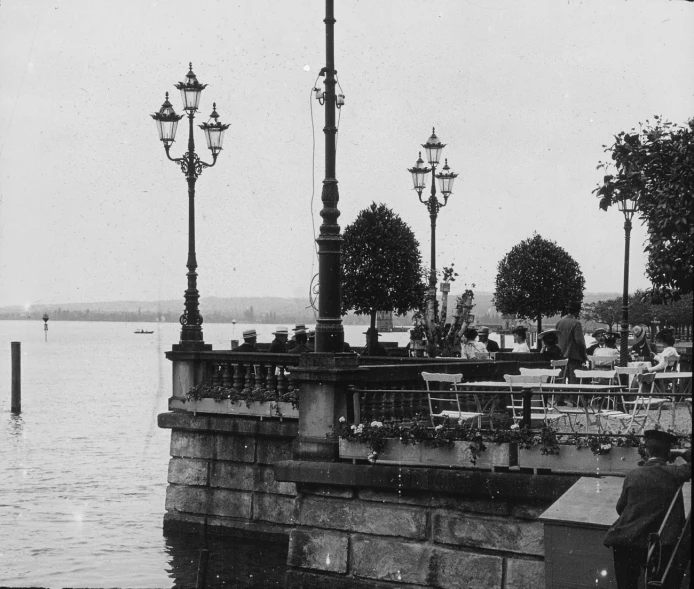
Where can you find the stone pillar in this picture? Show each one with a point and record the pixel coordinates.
(322, 379)
(186, 374)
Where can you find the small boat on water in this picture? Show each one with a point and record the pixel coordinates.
(143, 331)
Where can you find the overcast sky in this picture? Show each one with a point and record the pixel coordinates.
(524, 94)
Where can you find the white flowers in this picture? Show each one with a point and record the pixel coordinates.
(342, 420)
(606, 447)
(438, 428)
(515, 426)
(376, 424)
(372, 457)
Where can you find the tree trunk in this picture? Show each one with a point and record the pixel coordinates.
(373, 337)
(539, 331)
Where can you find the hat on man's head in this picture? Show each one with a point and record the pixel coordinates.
(301, 331)
(599, 331)
(298, 327)
(249, 333)
(483, 330)
(280, 330)
(660, 435)
(547, 332)
(639, 334)
(573, 306)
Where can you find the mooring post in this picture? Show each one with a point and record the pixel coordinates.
(202, 569)
(16, 405)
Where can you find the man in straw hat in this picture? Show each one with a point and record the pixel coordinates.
(279, 344)
(483, 338)
(571, 340)
(301, 337)
(292, 341)
(646, 496)
(641, 347)
(250, 337)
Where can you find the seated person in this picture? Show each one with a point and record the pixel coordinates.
(667, 356)
(641, 348)
(250, 337)
(379, 348)
(301, 346)
(610, 348)
(519, 337)
(599, 335)
(469, 348)
(292, 341)
(279, 344)
(550, 345)
(483, 338)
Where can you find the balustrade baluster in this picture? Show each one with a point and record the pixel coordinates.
(226, 375)
(271, 378)
(248, 382)
(260, 376)
(388, 405)
(281, 382)
(366, 402)
(217, 375)
(238, 376)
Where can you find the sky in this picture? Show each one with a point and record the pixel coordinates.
(524, 95)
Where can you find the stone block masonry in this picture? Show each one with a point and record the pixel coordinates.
(221, 473)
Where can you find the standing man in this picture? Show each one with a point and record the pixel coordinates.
(279, 344)
(571, 340)
(646, 496)
(250, 337)
(483, 338)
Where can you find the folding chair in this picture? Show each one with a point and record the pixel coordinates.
(590, 405)
(630, 372)
(552, 374)
(562, 364)
(602, 362)
(538, 406)
(639, 412)
(447, 399)
(645, 401)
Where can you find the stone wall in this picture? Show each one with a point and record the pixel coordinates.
(486, 537)
(221, 473)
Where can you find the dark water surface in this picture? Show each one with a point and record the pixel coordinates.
(83, 469)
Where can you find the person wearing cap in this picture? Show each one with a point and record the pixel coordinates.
(378, 349)
(550, 349)
(641, 348)
(571, 340)
(599, 336)
(483, 338)
(666, 360)
(647, 493)
(279, 344)
(292, 341)
(250, 337)
(519, 337)
(301, 336)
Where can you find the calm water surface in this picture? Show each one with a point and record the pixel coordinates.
(83, 469)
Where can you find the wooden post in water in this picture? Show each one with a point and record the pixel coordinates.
(16, 405)
(202, 569)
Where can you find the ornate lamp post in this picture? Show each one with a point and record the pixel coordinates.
(433, 148)
(191, 166)
(628, 207)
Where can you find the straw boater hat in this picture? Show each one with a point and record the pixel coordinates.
(298, 327)
(300, 331)
(599, 331)
(546, 332)
(483, 330)
(639, 334)
(280, 330)
(249, 333)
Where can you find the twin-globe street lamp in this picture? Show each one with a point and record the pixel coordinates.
(628, 206)
(191, 166)
(433, 148)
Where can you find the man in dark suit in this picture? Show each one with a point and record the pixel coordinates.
(279, 344)
(250, 337)
(646, 496)
(571, 340)
(483, 338)
(301, 346)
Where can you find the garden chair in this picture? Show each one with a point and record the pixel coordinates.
(552, 374)
(590, 405)
(644, 396)
(562, 364)
(447, 403)
(630, 372)
(638, 413)
(602, 362)
(539, 410)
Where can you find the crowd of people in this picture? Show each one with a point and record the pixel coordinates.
(302, 340)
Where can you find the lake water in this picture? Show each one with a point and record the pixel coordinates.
(83, 468)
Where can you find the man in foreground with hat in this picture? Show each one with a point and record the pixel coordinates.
(279, 344)
(571, 340)
(250, 337)
(483, 338)
(646, 496)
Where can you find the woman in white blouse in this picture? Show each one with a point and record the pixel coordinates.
(519, 336)
(470, 349)
(668, 356)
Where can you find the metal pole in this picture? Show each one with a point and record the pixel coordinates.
(330, 334)
(624, 335)
(433, 212)
(16, 352)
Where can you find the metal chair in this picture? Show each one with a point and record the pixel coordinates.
(645, 401)
(602, 362)
(562, 364)
(639, 408)
(539, 409)
(552, 374)
(452, 399)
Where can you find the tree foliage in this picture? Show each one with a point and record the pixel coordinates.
(381, 265)
(537, 278)
(655, 167)
(608, 312)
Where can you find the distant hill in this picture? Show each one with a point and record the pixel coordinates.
(223, 310)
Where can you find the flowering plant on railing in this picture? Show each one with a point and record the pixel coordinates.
(247, 395)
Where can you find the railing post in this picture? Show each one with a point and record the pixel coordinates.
(238, 376)
(16, 399)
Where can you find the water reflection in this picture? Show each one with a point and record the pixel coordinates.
(234, 562)
(16, 429)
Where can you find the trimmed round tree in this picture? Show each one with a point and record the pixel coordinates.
(381, 266)
(537, 278)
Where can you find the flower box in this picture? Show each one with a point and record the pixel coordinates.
(579, 459)
(456, 456)
(226, 407)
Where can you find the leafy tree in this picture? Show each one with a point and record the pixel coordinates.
(608, 312)
(381, 266)
(676, 314)
(537, 278)
(655, 167)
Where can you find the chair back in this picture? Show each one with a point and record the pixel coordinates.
(526, 379)
(603, 362)
(441, 377)
(550, 374)
(609, 375)
(562, 364)
(673, 363)
(646, 383)
(631, 372)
